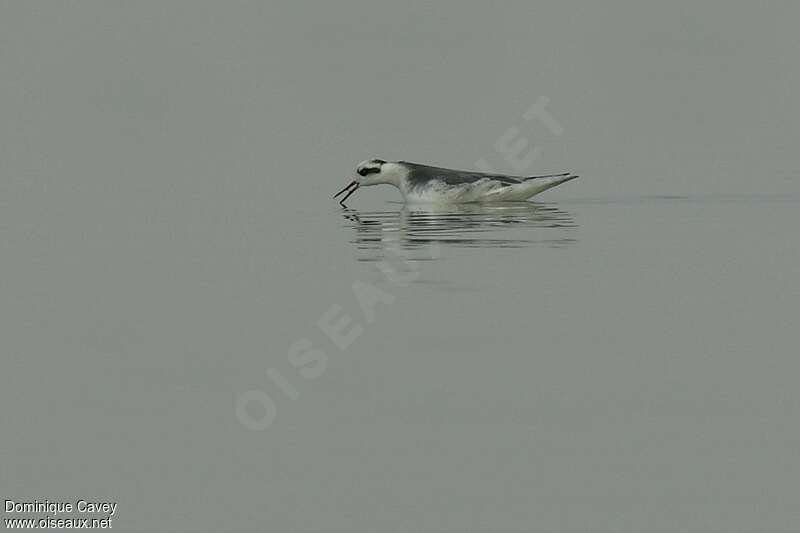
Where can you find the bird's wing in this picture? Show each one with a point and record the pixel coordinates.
(421, 174)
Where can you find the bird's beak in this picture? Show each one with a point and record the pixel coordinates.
(350, 189)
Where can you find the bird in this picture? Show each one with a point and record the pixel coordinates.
(436, 185)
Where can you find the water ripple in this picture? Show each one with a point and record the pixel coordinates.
(413, 228)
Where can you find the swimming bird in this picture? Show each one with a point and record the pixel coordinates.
(426, 184)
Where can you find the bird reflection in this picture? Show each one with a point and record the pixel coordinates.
(419, 227)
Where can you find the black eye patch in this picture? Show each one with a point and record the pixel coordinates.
(365, 171)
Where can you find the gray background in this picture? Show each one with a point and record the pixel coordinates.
(166, 233)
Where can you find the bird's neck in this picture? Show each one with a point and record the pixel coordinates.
(394, 174)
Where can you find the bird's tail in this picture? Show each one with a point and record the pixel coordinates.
(531, 187)
(559, 175)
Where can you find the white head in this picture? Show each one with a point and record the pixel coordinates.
(375, 172)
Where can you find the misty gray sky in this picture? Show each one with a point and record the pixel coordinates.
(663, 98)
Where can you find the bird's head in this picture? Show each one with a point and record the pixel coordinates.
(373, 172)
(370, 172)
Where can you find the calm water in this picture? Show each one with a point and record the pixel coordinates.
(609, 361)
(563, 363)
